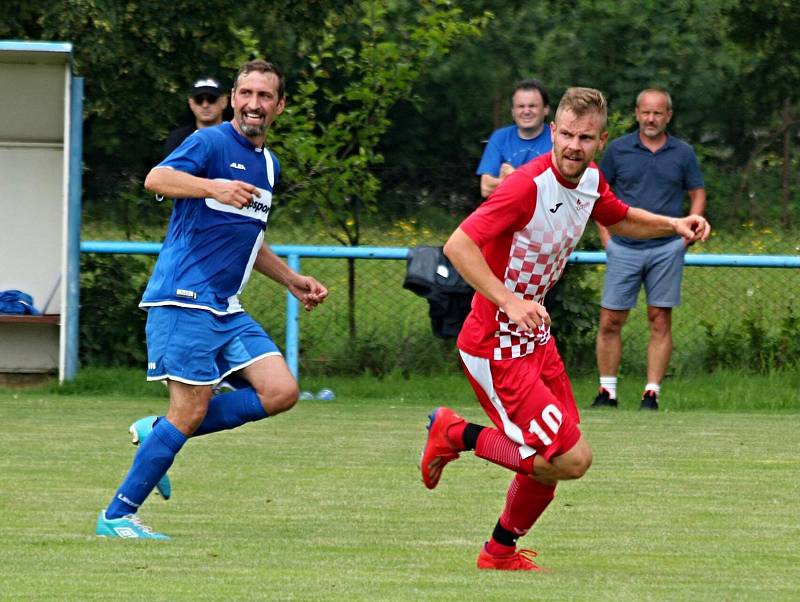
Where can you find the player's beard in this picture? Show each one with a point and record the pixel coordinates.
(572, 170)
(251, 130)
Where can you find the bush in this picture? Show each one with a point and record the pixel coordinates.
(751, 346)
(111, 324)
(573, 307)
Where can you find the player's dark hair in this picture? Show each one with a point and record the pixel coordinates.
(531, 84)
(263, 67)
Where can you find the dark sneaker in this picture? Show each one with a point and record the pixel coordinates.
(604, 400)
(649, 401)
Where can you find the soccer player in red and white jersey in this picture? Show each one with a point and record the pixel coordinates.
(512, 249)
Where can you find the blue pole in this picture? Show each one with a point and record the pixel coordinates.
(73, 276)
(293, 323)
(581, 257)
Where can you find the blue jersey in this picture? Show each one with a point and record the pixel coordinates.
(210, 247)
(505, 146)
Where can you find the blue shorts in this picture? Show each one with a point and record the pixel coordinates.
(659, 268)
(197, 347)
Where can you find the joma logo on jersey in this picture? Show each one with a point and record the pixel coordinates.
(238, 166)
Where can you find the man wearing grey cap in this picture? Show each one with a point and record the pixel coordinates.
(207, 102)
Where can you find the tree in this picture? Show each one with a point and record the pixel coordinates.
(767, 30)
(364, 61)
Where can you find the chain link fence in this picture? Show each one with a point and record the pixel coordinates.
(730, 317)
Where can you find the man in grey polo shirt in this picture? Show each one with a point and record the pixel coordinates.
(655, 171)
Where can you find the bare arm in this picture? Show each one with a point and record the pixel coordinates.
(181, 185)
(697, 201)
(307, 289)
(605, 235)
(489, 182)
(643, 224)
(468, 260)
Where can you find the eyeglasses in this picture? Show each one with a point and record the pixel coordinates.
(202, 98)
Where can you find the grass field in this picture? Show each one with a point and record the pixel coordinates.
(697, 502)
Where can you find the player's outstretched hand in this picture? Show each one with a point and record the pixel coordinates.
(309, 291)
(234, 192)
(693, 228)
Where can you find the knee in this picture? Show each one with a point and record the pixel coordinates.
(186, 418)
(577, 466)
(661, 329)
(280, 399)
(610, 324)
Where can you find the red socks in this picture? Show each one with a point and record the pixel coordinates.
(525, 502)
(526, 498)
(497, 448)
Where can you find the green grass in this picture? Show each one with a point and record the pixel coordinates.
(698, 502)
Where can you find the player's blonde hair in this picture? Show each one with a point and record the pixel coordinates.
(582, 101)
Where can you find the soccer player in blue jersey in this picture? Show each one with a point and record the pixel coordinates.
(197, 332)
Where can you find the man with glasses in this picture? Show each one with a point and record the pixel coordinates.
(207, 103)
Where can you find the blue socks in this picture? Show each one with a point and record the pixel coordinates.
(155, 456)
(229, 410)
(157, 452)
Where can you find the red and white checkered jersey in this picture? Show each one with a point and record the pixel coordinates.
(526, 230)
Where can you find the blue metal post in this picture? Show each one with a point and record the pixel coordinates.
(293, 253)
(73, 281)
(293, 323)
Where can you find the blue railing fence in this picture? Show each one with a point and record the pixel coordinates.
(294, 253)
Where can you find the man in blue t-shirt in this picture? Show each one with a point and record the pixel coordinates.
(222, 178)
(655, 171)
(514, 145)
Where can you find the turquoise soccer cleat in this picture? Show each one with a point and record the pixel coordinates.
(139, 431)
(127, 527)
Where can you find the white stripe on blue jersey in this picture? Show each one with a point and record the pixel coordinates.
(210, 248)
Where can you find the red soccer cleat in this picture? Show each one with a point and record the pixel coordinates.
(518, 561)
(438, 450)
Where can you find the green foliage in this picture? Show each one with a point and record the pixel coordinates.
(137, 59)
(365, 61)
(111, 324)
(390, 102)
(754, 345)
(767, 29)
(377, 353)
(573, 307)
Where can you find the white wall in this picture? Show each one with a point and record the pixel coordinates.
(32, 202)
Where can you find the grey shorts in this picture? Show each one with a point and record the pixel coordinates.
(659, 268)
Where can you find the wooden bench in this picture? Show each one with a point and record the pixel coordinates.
(29, 319)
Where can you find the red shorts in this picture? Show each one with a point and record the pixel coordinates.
(529, 399)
